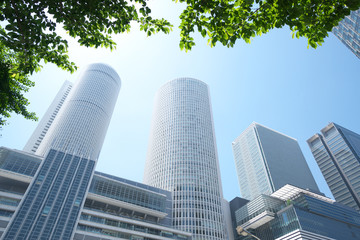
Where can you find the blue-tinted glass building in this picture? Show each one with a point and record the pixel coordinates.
(348, 31)
(295, 213)
(114, 207)
(266, 160)
(337, 152)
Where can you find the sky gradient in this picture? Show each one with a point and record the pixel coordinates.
(275, 81)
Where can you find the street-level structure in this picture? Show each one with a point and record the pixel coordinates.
(114, 208)
(296, 213)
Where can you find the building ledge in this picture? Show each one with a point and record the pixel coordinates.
(259, 220)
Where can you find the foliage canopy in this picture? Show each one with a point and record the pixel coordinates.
(226, 21)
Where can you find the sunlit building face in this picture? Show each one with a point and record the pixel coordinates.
(182, 157)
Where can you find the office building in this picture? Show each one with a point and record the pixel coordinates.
(266, 160)
(337, 152)
(348, 32)
(46, 121)
(182, 158)
(295, 213)
(114, 208)
(81, 124)
(51, 205)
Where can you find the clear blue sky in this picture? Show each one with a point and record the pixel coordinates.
(275, 81)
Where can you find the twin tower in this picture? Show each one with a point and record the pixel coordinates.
(182, 157)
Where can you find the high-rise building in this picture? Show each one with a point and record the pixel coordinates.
(348, 31)
(81, 124)
(337, 152)
(182, 157)
(46, 121)
(51, 205)
(266, 160)
(296, 213)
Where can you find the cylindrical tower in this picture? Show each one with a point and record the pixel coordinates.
(182, 157)
(81, 124)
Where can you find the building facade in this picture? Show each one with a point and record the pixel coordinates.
(295, 213)
(182, 158)
(46, 121)
(337, 152)
(348, 32)
(114, 208)
(51, 206)
(81, 124)
(266, 160)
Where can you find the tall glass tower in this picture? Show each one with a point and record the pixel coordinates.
(51, 205)
(266, 160)
(348, 32)
(337, 152)
(182, 157)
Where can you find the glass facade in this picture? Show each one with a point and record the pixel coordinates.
(133, 193)
(303, 213)
(263, 203)
(182, 157)
(267, 160)
(52, 202)
(126, 226)
(19, 162)
(115, 205)
(336, 151)
(348, 31)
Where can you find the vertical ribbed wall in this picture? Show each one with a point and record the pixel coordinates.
(335, 151)
(46, 121)
(182, 157)
(251, 168)
(82, 122)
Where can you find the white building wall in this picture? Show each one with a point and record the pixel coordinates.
(48, 118)
(93, 96)
(182, 158)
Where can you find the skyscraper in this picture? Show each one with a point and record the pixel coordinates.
(348, 31)
(81, 124)
(266, 160)
(182, 157)
(46, 121)
(337, 152)
(51, 205)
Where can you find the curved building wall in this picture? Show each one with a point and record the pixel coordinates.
(182, 157)
(81, 124)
